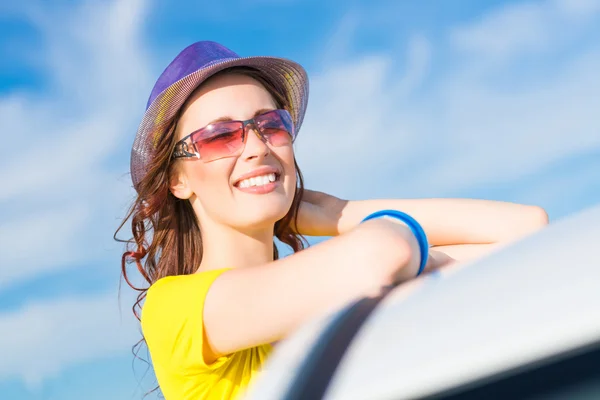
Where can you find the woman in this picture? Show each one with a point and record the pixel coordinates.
(214, 168)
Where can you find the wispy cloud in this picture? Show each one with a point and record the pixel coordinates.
(578, 9)
(525, 27)
(339, 42)
(418, 64)
(42, 339)
(365, 133)
(55, 228)
(62, 190)
(57, 144)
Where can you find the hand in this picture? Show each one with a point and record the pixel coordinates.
(319, 214)
(469, 252)
(437, 260)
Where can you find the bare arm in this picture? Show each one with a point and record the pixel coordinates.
(458, 221)
(247, 307)
(446, 221)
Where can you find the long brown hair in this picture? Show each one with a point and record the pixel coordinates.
(166, 236)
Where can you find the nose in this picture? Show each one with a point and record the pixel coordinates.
(255, 146)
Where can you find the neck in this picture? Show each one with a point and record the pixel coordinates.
(225, 247)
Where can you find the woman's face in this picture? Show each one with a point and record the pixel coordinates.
(219, 190)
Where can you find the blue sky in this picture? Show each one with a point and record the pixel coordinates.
(494, 99)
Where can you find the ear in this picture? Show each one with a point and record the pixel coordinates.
(178, 185)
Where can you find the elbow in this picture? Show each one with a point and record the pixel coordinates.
(537, 217)
(530, 220)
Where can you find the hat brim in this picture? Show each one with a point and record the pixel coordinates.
(289, 78)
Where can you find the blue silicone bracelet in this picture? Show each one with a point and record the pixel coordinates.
(414, 226)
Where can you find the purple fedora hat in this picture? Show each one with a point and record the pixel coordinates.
(187, 71)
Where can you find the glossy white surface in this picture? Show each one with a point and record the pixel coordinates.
(282, 365)
(538, 297)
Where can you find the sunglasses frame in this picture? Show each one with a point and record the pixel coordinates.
(182, 148)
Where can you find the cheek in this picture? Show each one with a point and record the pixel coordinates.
(209, 181)
(292, 179)
(286, 157)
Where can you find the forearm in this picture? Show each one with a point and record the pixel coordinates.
(454, 221)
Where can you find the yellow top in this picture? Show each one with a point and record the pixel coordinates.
(172, 324)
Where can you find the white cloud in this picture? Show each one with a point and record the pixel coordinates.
(42, 339)
(340, 40)
(502, 34)
(347, 106)
(56, 144)
(524, 27)
(568, 190)
(578, 8)
(364, 134)
(418, 63)
(54, 229)
(360, 123)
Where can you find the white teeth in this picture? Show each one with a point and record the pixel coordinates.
(258, 180)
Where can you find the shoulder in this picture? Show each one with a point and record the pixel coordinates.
(178, 285)
(172, 321)
(172, 297)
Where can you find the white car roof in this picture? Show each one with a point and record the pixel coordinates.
(538, 297)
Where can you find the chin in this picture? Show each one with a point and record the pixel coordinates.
(265, 213)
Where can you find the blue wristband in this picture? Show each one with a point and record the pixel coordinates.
(414, 226)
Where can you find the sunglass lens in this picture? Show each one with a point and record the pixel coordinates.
(277, 127)
(223, 140)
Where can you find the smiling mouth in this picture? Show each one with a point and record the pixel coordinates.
(257, 181)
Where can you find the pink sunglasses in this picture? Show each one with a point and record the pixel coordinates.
(227, 139)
